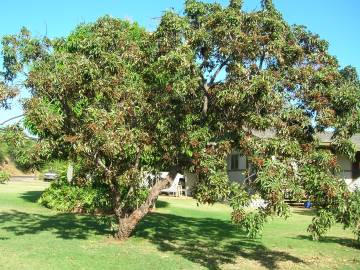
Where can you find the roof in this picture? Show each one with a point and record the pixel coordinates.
(264, 134)
(326, 139)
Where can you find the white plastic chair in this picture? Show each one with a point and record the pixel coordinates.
(173, 189)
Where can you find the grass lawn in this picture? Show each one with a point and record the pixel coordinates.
(179, 235)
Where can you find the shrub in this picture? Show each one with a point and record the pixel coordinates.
(66, 197)
(4, 177)
(22, 155)
(70, 198)
(19, 148)
(3, 151)
(85, 196)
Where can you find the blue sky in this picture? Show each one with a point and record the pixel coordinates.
(337, 21)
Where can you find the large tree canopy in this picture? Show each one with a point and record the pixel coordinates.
(121, 101)
(6, 93)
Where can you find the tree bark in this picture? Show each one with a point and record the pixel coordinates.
(128, 224)
(205, 105)
(207, 85)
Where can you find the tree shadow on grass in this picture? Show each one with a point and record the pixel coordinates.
(161, 204)
(304, 212)
(347, 242)
(206, 241)
(31, 196)
(65, 226)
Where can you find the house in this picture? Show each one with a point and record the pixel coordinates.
(238, 164)
(349, 170)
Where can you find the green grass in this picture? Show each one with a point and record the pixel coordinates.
(179, 235)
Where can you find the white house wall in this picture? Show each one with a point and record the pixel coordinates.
(239, 175)
(344, 163)
(190, 180)
(345, 169)
(236, 176)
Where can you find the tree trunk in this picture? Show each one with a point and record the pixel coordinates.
(128, 224)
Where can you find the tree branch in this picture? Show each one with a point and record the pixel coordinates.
(262, 60)
(137, 161)
(205, 104)
(128, 223)
(156, 189)
(213, 78)
(208, 85)
(102, 165)
(12, 118)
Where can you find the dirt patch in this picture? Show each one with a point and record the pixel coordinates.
(9, 167)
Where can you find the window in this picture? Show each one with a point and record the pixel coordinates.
(242, 163)
(356, 166)
(237, 162)
(234, 162)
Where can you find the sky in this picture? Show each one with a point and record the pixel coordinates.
(337, 21)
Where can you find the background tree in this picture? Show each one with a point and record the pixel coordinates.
(121, 102)
(254, 73)
(89, 104)
(6, 94)
(21, 149)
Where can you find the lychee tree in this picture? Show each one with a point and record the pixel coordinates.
(124, 102)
